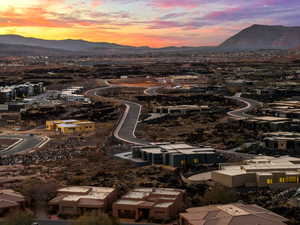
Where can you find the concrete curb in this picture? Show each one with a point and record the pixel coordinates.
(20, 140)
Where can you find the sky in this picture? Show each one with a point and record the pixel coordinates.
(155, 23)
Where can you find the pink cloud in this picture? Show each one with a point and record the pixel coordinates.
(176, 3)
(96, 3)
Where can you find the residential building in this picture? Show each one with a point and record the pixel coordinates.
(231, 214)
(261, 171)
(77, 200)
(282, 142)
(9, 93)
(72, 95)
(266, 123)
(10, 201)
(71, 126)
(150, 204)
(175, 154)
(180, 109)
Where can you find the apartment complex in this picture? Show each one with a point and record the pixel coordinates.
(175, 154)
(10, 201)
(9, 93)
(150, 203)
(262, 171)
(231, 214)
(74, 201)
(72, 95)
(70, 126)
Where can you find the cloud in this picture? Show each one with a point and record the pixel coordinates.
(173, 15)
(96, 3)
(152, 22)
(189, 4)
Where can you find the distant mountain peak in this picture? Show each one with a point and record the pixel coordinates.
(260, 36)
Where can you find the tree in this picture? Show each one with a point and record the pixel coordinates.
(96, 219)
(38, 191)
(19, 218)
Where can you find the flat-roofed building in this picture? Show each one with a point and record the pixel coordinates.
(231, 214)
(175, 154)
(262, 171)
(150, 204)
(71, 126)
(10, 201)
(77, 200)
(282, 142)
(266, 123)
(180, 109)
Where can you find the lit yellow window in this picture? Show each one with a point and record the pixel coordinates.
(196, 161)
(270, 181)
(282, 180)
(293, 179)
(182, 162)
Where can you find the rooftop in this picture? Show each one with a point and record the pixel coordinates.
(76, 193)
(232, 214)
(263, 164)
(270, 118)
(177, 148)
(157, 197)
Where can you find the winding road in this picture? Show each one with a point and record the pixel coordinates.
(151, 91)
(125, 130)
(126, 127)
(242, 112)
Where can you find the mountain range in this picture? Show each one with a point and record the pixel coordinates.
(254, 37)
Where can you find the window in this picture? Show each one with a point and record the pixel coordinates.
(269, 181)
(292, 179)
(196, 161)
(182, 162)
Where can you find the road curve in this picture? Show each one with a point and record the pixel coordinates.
(125, 130)
(151, 91)
(27, 142)
(242, 112)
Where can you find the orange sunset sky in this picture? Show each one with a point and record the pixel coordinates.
(154, 23)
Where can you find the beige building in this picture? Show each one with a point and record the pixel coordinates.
(10, 201)
(232, 214)
(74, 201)
(71, 126)
(150, 203)
(262, 171)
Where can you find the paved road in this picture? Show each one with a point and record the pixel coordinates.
(128, 123)
(151, 91)
(28, 143)
(242, 112)
(125, 130)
